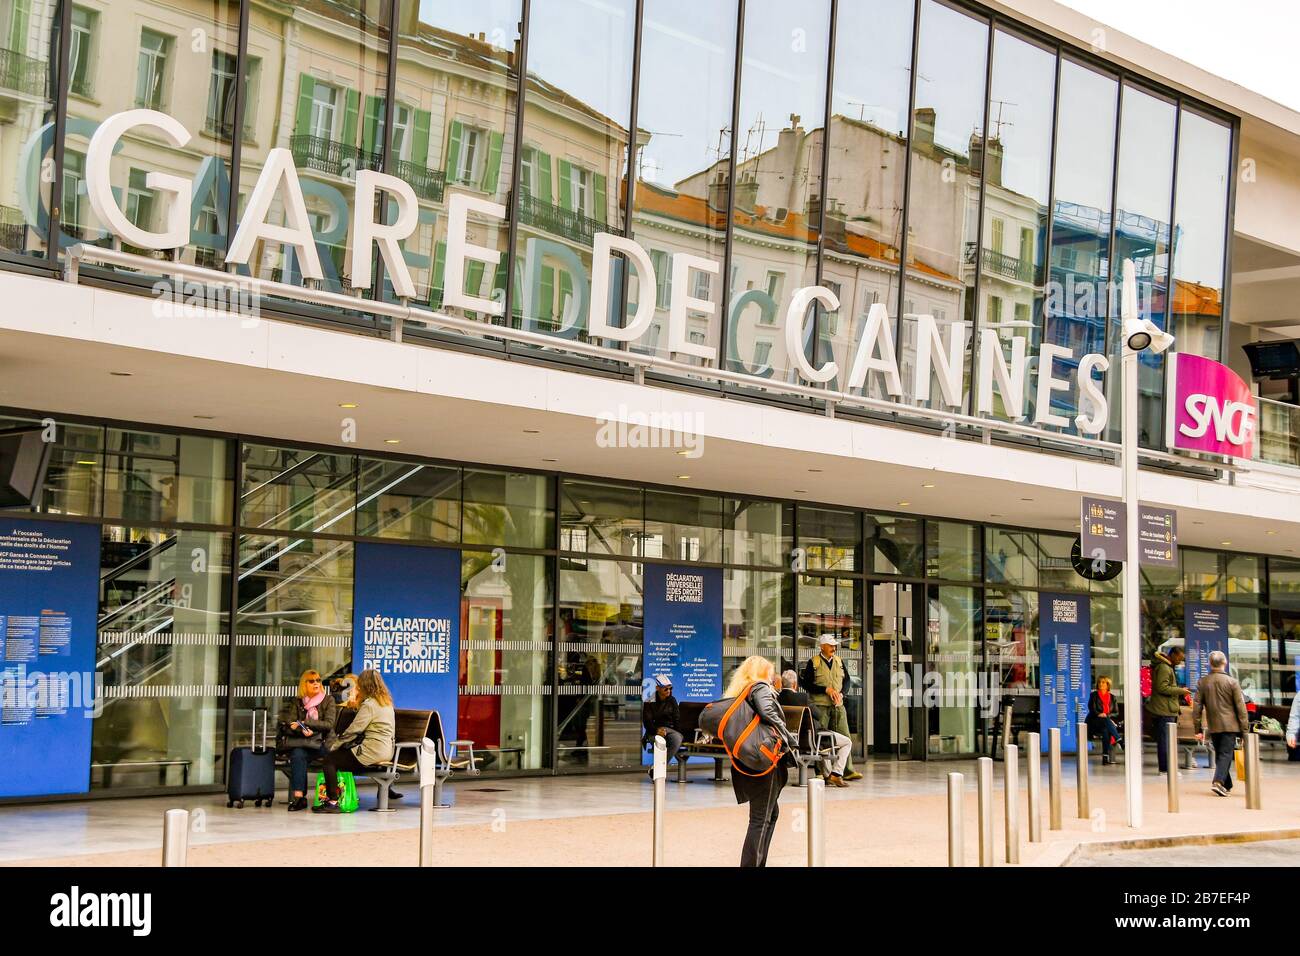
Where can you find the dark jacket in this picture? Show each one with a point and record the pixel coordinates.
(1219, 697)
(322, 728)
(656, 713)
(797, 698)
(764, 701)
(1166, 696)
(1094, 707)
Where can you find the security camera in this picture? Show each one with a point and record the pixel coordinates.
(1143, 334)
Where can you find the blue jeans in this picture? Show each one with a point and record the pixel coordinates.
(299, 758)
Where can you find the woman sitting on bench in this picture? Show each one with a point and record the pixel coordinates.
(367, 742)
(306, 723)
(1102, 709)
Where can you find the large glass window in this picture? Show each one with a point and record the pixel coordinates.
(862, 223)
(756, 607)
(895, 545)
(453, 132)
(504, 660)
(947, 157)
(953, 653)
(602, 519)
(756, 532)
(776, 218)
(28, 68)
(1078, 299)
(1017, 176)
(688, 57)
(1144, 193)
(74, 461)
(1201, 198)
(408, 501)
(159, 477)
(683, 527)
(164, 630)
(510, 509)
(292, 489)
(576, 113)
(170, 69)
(326, 71)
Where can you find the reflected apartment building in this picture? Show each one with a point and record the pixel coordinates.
(985, 169)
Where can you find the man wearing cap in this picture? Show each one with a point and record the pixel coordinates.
(661, 718)
(824, 678)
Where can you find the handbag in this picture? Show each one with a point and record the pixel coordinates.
(286, 739)
(747, 740)
(348, 801)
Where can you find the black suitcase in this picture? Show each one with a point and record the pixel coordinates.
(252, 771)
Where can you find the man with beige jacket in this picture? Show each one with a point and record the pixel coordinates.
(1219, 698)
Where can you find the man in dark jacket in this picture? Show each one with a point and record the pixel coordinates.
(1165, 701)
(1219, 698)
(661, 717)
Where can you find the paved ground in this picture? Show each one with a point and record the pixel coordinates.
(1260, 853)
(895, 816)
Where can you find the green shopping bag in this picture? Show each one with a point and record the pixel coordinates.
(347, 791)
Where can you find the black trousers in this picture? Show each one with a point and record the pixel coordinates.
(335, 761)
(764, 808)
(1162, 740)
(1224, 746)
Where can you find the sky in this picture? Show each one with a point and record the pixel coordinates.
(1255, 43)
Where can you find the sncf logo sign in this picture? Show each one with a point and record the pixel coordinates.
(1211, 408)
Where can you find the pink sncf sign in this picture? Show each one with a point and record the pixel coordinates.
(1210, 408)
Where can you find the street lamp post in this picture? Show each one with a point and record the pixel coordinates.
(1140, 335)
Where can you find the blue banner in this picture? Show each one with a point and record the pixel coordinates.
(1065, 666)
(683, 631)
(49, 602)
(406, 624)
(1205, 630)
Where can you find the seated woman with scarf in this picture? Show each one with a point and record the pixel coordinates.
(1102, 717)
(306, 723)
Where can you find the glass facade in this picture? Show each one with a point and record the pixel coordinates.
(966, 170)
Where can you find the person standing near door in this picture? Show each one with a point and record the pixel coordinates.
(1165, 701)
(824, 678)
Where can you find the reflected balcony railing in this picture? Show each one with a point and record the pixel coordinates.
(23, 74)
(1279, 433)
(1001, 264)
(557, 221)
(424, 182)
(332, 157)
(13, 228)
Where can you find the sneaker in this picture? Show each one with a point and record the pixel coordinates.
(853, 775)
(1219, 788)
(327, 807)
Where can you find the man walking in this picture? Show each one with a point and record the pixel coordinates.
(1165, 700)
(1219, 697)
(824, 678)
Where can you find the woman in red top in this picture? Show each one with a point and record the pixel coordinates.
(1103, 719)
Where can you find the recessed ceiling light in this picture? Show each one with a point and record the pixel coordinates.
(801, 491)
(1026, 499)
(86, 462)
(121, 374)
(1270, 532)
(814, 471)
(683, 477)
(205, 418)
(551, 460)
(904, 504)
(532, 431)
(392, 441)
(995, 516)
(685, 452)
(927, 484)
(1225, 543)
(347, 404)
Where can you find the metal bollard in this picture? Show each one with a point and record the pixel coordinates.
(816, 821)
(1081, 771)
(1054, 778)
(427, 764)
(984, 785)
(176, 837)
(1251, 742)
(1011, 790)
(1171, 748)
(660, 776)
(1006, 727)
(956, 838)
(1034, 773)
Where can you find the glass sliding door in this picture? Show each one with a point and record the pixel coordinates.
(892, 691)
(953, 661)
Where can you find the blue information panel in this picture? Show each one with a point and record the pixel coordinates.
(49, 599)
(683, 631)
(1065, 666)
(406, 624)
(1205, 630)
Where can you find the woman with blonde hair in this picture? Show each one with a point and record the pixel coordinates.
(1102, 718)
(753, 679)
(367, 742)
(304, 729)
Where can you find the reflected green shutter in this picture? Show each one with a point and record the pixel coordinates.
(350, 117)
(566, 185)
(453, 150)
(306, 87)
(566, 295)
(599, 197)
(474, 270)
(439, 264)
(544, 177)
(546, 307)
(370, 131)
(492, 168)
(420, 148)
(499, 280)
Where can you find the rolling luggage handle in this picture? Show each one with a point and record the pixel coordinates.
(252, 742)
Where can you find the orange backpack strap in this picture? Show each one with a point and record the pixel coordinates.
(775, 757)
